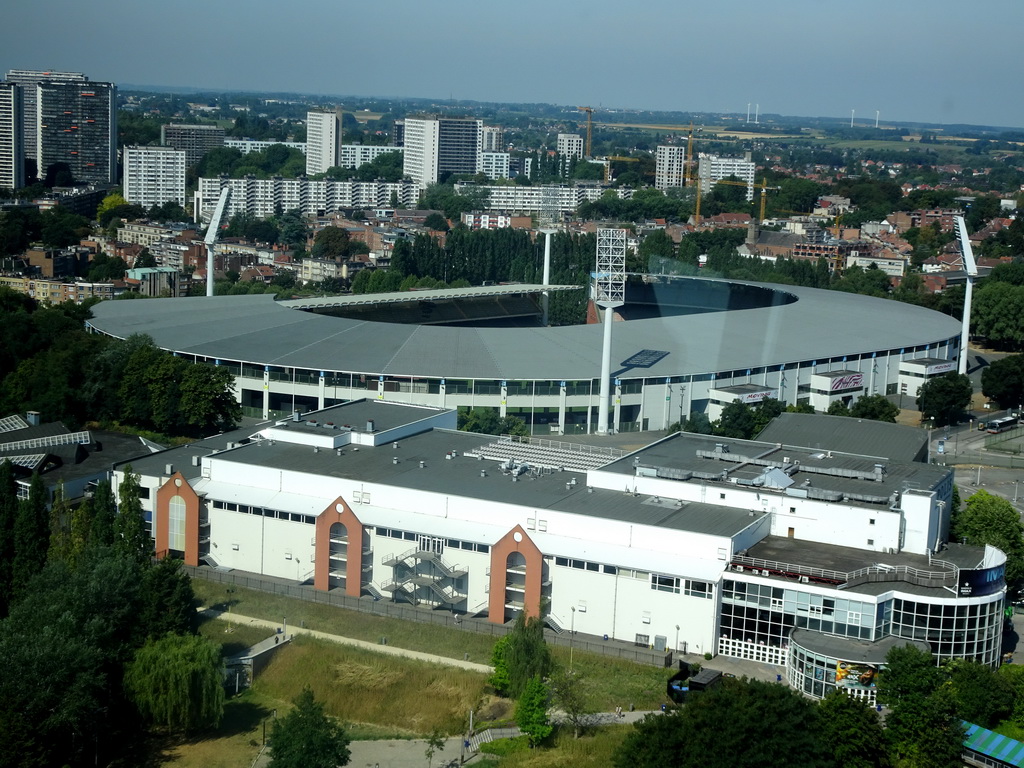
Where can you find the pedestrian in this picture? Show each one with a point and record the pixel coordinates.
(618, 712)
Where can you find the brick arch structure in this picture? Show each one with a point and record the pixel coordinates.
(177, 485)
(500, 551)
(339, 511)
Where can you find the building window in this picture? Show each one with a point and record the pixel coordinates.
(664, 583)
(176, 524)
(871, 521)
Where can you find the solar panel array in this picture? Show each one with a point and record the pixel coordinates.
(68, 438)
(12, 423)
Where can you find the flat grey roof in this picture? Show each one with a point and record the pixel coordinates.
(684, 455)
(855, 651)
(861, 436)
(461, 476)
(258, 330)
(436, 294)
(357, 413)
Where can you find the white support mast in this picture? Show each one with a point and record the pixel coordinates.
(971, 268)
(546, 296)
(211, 236)
(609, 292)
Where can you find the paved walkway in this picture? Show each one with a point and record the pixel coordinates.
(273, 626)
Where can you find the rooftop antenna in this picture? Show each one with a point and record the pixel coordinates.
(971, 268)
(609, 292)
(211, 235)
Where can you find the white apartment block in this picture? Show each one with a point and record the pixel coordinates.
(570, 144)
(245, 146)
(355, 155)
(711, 169)
(670, 167)
(260, 197)
(12, 147)
(491, 139)
(440, 145)
(494, 165)
(323, 141)
(154, 175)
(561, 198)
(318, 270)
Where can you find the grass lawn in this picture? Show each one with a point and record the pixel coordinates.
(596, 749)
(233, 638)
(428, 638)
(234, 744)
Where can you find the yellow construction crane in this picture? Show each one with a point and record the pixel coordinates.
(764, 195)
(617, 159)
(689, 158)
(590, 128)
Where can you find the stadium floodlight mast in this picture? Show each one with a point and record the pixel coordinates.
(609, 293)
(547, 273)
(211, 235)
(971, 268)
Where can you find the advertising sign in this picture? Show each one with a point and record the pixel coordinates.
(946, 367)
(981, 582)
(849, 381)
(852, 675)
(757, 397)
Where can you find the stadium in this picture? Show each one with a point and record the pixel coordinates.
(684, 345)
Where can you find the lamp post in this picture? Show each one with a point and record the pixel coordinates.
(1015, 483)
(677, 638)
(572, 632)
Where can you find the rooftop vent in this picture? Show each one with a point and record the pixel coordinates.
(369, 425)
(423, 464)
(168, 469)
(394, 459)
(33, 419)
(483, 473)
(195, 461)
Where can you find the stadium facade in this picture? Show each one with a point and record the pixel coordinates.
(711, 342)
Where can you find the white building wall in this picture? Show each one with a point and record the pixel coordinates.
(154, 175)
(670, 167)
(355, 155)
(422, 137)
(712, 168)
(323, 141)
(570, 145)
(245, 146)
(495, 165)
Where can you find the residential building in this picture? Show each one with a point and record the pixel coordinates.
(714, 168)
(194, 140)
(58, 291)
(28, 79)
(154, 175)
(494, 165)
(245, 146)
(77, 125)
(670, 167)
(143, 233)
(570, 145)
(477, 220)
(491, 139)
(12, 137)
(355, 155)
(323, 141)
(436, 147)
(563, 198)
(261, 197)
(154, 281)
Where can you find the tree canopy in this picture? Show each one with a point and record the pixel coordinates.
(945, 398)
(988, 519)
(307, 737)
(1003, 381)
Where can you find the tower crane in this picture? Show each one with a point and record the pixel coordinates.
(763, 186)
(590, 128)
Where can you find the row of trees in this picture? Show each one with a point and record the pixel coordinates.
(99, 643)
(749, 722)
(50, 364)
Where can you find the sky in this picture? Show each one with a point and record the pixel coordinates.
(911, 60)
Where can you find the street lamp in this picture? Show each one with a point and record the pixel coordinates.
(677, 638)
(572, 631)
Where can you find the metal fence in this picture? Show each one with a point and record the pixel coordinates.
(612, 648)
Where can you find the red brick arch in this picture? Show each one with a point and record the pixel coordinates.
(339, 511)
(177, 485)
(500, 551)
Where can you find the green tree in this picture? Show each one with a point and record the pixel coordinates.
(838, 408)
(987, 519)
(8, 517)
(874, 408)
(765, 411)
(177, 682)
(698, 423)
(307, 738)
(499, 679)
(435, 744)
(851, 731)
(331, 243)
(944, 398)
(207, 403)
(980, 694)
(169, 602)
(569, 694)
(130, 536)
(922, 726)
(522, 656)
(60, 547)
(436, 222)
(31, 537)
(1003, 381)
(532, 711)
(737, 420)
(737, 723)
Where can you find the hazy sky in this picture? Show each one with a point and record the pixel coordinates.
(937, 61)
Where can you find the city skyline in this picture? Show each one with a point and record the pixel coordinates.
(910, 62)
